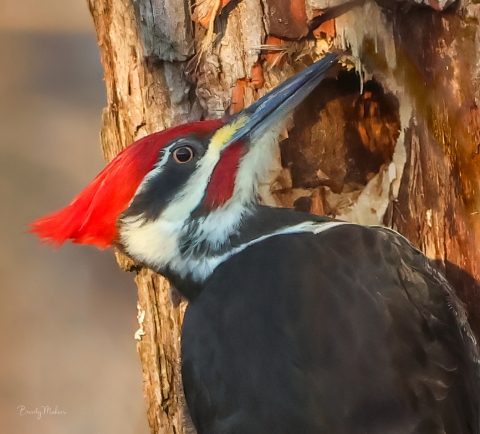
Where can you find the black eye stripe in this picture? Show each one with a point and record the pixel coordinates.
(167, 178)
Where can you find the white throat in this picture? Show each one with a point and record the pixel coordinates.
(185, 247)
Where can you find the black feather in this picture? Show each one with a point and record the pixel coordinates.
(348, 331)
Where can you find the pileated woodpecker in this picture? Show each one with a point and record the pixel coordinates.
(296, 323)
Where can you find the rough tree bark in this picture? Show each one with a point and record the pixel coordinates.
(393, 140)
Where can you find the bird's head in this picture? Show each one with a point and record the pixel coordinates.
(171, 191)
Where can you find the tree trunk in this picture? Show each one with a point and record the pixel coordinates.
(393, 140)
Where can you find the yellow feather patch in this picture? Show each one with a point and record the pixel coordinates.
(224, 134)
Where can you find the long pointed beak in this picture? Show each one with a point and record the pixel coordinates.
(276, 105)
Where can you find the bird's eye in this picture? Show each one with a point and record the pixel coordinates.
(183, 155)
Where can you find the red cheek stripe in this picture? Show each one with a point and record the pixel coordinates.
(222, 181)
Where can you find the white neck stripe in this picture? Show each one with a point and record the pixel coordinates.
(201, 268)
(313, 227)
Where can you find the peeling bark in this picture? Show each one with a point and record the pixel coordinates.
(393, 139)
(146, 94)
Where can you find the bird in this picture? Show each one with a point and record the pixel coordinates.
(296, 323)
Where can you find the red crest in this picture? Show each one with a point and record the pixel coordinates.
(92, 216)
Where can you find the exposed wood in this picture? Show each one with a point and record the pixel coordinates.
(438, 203)
(286, 19)
(397, 144)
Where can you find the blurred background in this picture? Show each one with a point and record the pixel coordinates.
(67, 317)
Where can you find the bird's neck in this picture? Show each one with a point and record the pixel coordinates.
(206, 242)
(187, 252)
